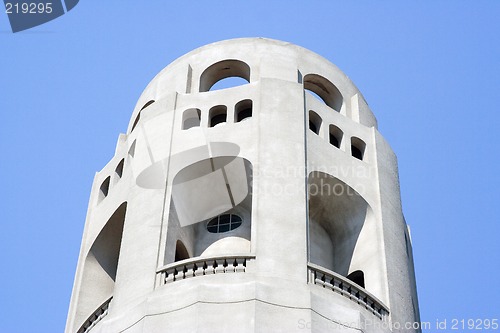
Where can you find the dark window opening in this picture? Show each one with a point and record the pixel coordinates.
(336, 135)
(357, 277)
(224, 223)
(357, 148)
(314, 122)
(218, 115)
(243, 110)
(119, 169)
(181, 252)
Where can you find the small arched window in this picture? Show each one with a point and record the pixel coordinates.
(357, 148)
(323, 88)
(314, 122)
(191, 118)
(222, 70)
(243, 110)
(224, 223)
(217, 115)
(357, 277)
(336, 135)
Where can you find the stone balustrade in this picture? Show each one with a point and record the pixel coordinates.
(95, 317)
(194, 267)
(343, 286)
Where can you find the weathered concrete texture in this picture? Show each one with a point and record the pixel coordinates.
(272, 206)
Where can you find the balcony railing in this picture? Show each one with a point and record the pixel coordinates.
(95, 317)
(339, 284)
(194, 267)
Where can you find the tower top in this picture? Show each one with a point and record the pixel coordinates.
(253, 59)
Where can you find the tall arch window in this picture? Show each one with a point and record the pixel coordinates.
(222, 70)
(323, 88)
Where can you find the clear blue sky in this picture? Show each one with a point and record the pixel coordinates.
(430, 71)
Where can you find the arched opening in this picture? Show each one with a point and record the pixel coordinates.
(181, 253)
(358, 148)
(357, 277)
(323, 88)
(104, 189)
(337, 214)
(100, 267)
(314, 122)
(336, 135)
(217, 115)
(138, 117)
(191, 118)
(243, 110)
(210, 210)
(222, 70)
(119, 169)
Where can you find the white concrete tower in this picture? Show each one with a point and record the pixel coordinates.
(271, 206)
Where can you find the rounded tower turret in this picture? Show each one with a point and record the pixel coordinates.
(270, 206)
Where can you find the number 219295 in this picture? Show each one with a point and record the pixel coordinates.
(474, 324)
(28, 8)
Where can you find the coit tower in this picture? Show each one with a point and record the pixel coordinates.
(252, 192)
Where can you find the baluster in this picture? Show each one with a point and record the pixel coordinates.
(220, 266)
(199, 269)
(239, 265)
(170, 275)
(337, 285)
(328, 282)
(189, 270)
(211, 267)
(362, 299)
(231, 264)
(179, 273)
